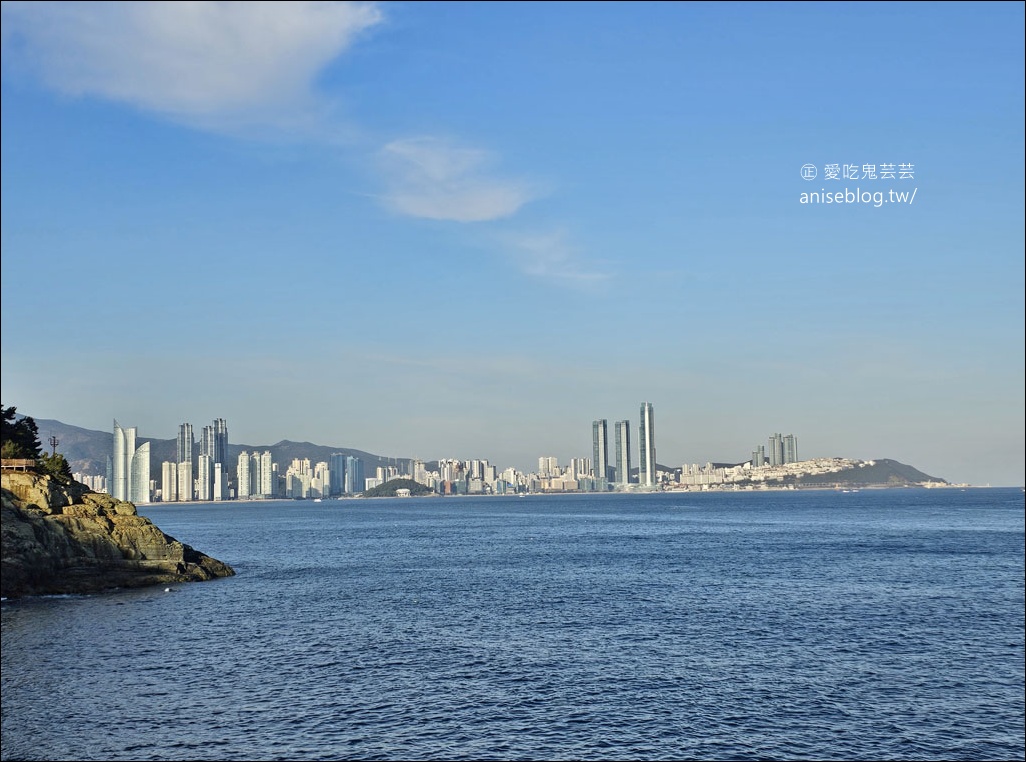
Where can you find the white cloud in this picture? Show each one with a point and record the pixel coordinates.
(230, 66)
(551, 257)
(437, 180)
(195, 61)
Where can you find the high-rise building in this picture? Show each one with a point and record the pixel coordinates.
(783, 449)
(320, 485)
(124, 449)
(578, 468)
(206, 443)
(776, 449)
(205, 478)
(419, 470)
(186, 442)
(254, 475)
(337, 474)
(214, 443)
(186, 484)
(647, 461)
(139, 484)
(354, 475)
(130, 467)
(623, 452)
(790, 449)
(268, 477)
(548, 466)
(242, 473)
(168, 482)
(221, 489)
(491, 475)
(600, 449)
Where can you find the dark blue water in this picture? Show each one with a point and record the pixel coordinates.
(799, 625)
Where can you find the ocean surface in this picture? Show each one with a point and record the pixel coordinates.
(882, 625)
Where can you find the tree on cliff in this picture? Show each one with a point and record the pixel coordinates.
(19, 438)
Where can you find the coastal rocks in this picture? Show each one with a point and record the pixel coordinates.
(43, 494)
(65, 539)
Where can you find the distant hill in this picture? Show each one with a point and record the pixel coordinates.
(87, 450)
(876, 473)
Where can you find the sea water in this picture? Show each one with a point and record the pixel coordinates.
(778, 625)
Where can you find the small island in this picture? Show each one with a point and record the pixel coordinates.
(399, 488)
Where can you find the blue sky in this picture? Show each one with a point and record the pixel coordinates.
(469, 229)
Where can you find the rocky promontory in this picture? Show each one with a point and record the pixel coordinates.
(63, 538)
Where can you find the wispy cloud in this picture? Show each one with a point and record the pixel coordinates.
(552, 257)
(438, 180)
(198, 62)
(245, 66)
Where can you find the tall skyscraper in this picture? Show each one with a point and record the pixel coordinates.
(220, 482)
(221, 441)
(790, 449)
(600, 449)
(168, 482)
(186, 484)
(783, 450)
(139, 482)
(186, 442)
(130, 467)
(419, 471)
(776, 450)
(215, 441)
(268, 477)
(354, 481)
(124, 449)
(337, 474)
(242, 473)
(623, 452)
(647, 461)
(204, 478)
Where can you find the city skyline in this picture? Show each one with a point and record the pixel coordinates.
(258, 476)
(466, 228)
(208, 476)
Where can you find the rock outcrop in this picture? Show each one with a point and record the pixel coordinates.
(62, 538)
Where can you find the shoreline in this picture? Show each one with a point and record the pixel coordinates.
(677, 491)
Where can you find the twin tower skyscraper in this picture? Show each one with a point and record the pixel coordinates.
(620, 471)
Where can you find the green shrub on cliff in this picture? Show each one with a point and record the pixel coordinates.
(56, 466)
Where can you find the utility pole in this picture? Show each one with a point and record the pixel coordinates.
(54, 441)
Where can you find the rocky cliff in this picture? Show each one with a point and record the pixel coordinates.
(63, 538)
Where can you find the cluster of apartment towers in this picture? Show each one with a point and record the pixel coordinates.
(203, 474)
(619, 472)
